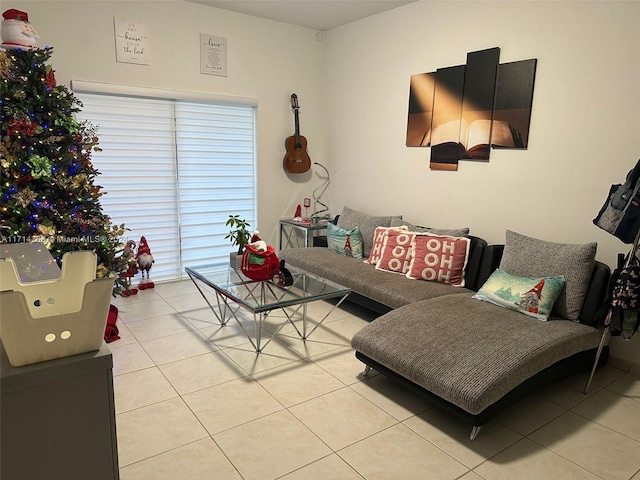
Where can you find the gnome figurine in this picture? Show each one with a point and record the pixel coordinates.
(531, 300)
(132, 269)
(16, 30)
(298, 215)
(145, 262)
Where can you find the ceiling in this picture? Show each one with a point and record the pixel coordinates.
(315, 14)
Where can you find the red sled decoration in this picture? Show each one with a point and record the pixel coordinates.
(260, 264)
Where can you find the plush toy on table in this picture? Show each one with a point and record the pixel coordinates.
(132, 270)
(260, 262)
(145, 262)
(16, 31)
(257, 242)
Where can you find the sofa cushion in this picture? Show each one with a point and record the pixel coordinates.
(379, 237)
(344, 241)
(452, 232)
(396, 251)
(530, 257)
(467, 352)
(439, 258)
(531, 296)
(350, 218)
(391, 290)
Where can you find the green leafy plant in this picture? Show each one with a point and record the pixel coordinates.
(239, 234)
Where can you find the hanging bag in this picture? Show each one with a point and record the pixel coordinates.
(620, 214)
(625, 298)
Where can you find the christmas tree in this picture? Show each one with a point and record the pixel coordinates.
(48, 191)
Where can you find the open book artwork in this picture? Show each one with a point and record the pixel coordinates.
(464, 111)
(460, 140)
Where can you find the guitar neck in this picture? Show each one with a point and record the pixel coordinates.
(297, 133)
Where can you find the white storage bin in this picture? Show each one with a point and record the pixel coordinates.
(56, 315)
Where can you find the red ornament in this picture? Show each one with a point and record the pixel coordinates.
(50, 80)
(22, 126)
(23, 180)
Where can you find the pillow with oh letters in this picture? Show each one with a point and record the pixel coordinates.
(439, 258)
(379, 237)
(396, 251)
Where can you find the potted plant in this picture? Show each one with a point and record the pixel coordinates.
(239, 235)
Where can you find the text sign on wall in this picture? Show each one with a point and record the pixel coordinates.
(213, 55)
(132, 42)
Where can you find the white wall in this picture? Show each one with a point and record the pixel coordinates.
(585, 126)
(353, 89)
(266, 60)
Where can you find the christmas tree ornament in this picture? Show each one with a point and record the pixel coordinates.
(16, 30)
(4, 65)
(24, 197)
(40, 167)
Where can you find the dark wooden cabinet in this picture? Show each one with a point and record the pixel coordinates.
(57, 419)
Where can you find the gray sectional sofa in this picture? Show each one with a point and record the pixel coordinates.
(470, 356)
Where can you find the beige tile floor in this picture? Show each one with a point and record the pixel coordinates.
(193, 401)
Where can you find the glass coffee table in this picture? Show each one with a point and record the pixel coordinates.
(234, 291)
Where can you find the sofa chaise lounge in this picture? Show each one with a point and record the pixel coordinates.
(472, 357)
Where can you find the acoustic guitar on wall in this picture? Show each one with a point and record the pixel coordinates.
(296, 160)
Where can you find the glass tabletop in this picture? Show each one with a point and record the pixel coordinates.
(263, 296)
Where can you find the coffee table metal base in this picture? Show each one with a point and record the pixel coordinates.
(226, 309)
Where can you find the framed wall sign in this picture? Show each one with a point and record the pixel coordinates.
(132, 42)
(213, 55)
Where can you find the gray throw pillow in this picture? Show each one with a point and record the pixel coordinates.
(350, 218)
(530, 257)
(449, 232)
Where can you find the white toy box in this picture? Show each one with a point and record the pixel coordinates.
(46, 313)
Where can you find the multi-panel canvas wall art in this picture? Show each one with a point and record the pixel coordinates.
(447, 120)
(420, 109)
(512, 110)
(463, 111)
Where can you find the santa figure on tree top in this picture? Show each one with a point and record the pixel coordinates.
(16, 30)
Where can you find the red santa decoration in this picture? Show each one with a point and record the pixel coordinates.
(145, 262)
(16, 31)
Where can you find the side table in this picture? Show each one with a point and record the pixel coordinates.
(289, 226)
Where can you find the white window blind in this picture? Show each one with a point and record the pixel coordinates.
(173, 171)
